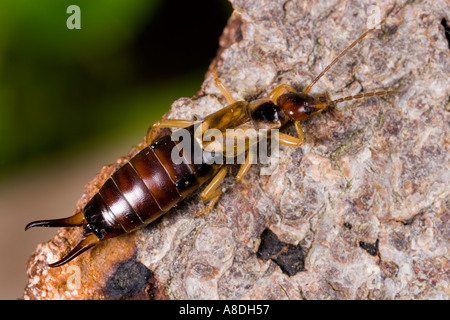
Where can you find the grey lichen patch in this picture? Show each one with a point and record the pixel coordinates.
(211, 257)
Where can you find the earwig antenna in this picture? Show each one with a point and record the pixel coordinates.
(357, 96)
(308, 88)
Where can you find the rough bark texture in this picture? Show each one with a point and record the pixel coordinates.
(360, 211)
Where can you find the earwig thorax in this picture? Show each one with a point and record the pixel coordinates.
(265, 114)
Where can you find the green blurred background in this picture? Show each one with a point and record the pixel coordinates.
(74, 100)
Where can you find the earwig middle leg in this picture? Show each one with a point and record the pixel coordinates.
(211, 193)
(278, 91)
(245, 166)
(172, 123)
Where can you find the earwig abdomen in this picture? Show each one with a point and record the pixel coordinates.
(143, 189)
(136, 194)
(100, 220)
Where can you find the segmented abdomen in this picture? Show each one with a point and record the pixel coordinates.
(144, 188)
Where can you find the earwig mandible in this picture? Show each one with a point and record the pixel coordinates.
(150, 184)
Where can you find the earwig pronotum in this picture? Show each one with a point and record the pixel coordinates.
(150, 184)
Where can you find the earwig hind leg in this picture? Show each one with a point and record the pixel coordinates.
(278, 91)
(221, 86)
(171, 123)
(211, 192)
(214, 197)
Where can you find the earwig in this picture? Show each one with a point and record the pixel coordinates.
(151, 183)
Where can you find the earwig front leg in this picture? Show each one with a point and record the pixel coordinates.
(211, 193)
(278, 91)
(291, 141)
(322, 100)
(220, 85)
(173, 123)
(301, 135)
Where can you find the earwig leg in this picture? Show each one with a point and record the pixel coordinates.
(245, 166)
(288, 140)
(321, 101)
(208, 192)
(172, 123)
(301, 135)
(291, 141)
(322, 98)
(212, 202)
(72, 221)
(82, 246)
(278, 91)
(211, 193)
(221, 86)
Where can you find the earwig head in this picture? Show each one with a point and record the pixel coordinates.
(297, 106)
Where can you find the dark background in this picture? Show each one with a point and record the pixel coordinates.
(74, 100)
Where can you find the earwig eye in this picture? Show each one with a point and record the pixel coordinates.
(308, 110)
